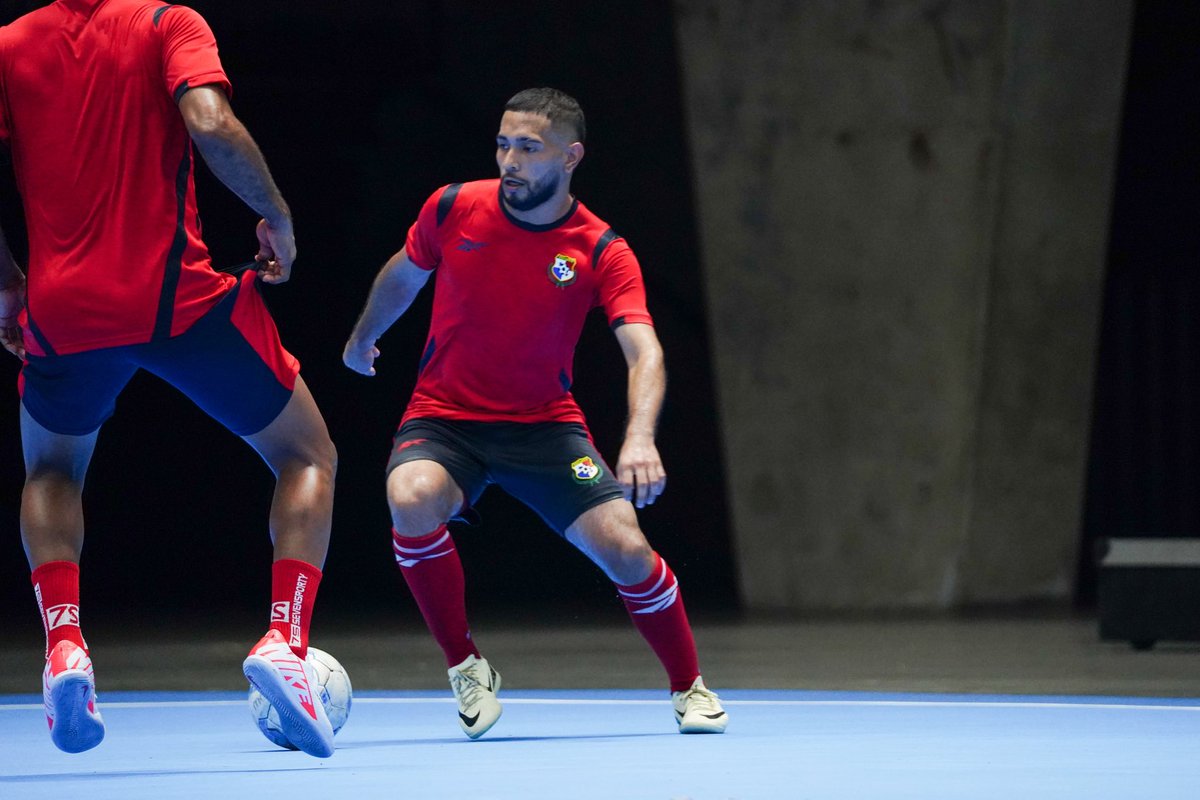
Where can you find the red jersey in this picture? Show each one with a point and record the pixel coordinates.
(103, 162)
(509, 304)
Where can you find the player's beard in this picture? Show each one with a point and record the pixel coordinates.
(535, 194)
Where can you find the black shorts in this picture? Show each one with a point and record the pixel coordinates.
(552, 467)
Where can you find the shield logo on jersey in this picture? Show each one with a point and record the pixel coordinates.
(585, 469)
(562, 271)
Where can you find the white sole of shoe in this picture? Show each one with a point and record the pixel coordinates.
(75, 730)
(297, 726)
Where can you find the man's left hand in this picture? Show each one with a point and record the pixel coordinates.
(640, 471)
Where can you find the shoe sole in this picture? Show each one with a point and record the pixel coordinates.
(297, 726)
(75, 730)
(702, 726)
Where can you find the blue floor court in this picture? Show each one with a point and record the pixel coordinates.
(621, 744)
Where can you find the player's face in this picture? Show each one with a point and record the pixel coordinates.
(535, 160)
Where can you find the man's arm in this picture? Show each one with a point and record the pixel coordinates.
(393, 291)
(639, 467)
(235, 159)
(12, 300)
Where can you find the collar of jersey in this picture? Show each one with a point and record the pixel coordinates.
(529, 226)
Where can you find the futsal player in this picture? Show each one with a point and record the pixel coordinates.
(518, 263)
(100, 103)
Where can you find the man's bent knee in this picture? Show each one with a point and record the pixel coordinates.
(421, 496)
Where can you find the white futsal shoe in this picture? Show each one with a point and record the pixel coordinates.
(475, 684)
(697, 710)
(69, 692)
(290, 685)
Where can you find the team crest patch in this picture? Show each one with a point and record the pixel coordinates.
(585, 469)
(562, 271)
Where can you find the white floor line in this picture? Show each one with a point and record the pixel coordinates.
(1024, 704)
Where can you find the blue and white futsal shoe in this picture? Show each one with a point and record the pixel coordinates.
(69, 692)
(475, 684)
(697, 710)
(290, 685)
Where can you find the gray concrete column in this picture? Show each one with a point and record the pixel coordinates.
(903, 209)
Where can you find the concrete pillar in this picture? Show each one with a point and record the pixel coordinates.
(903, 209)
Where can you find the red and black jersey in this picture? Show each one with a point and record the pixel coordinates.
(509, 304)
(103, 161)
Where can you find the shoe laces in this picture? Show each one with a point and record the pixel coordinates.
(467, 685)
(700, 698)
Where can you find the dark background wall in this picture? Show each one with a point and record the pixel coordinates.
(1144, 470)
(363, 109)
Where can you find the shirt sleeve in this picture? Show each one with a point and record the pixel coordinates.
(423, 246)
(622, 291)
(189, 52)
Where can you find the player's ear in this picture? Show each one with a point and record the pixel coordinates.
(574, 154)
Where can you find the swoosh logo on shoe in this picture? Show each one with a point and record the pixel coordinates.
(713, 716)
(468, 721)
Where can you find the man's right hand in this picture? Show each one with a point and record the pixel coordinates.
(360, 356)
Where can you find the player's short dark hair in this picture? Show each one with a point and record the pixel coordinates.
(558, 107)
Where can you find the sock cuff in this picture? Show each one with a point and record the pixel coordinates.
(660, 574)
(411, 550)
(54, 569)
(430, 539)
(296, 565)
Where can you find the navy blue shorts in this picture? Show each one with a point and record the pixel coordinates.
(552, 467)
(230, 363)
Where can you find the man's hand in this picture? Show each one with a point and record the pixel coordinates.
(276, 251)
(640, 470)
(360, 356)
(12, 300)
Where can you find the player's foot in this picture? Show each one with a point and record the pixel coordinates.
(290, 685)
(697, 710)
(69, 692)
(475, 685)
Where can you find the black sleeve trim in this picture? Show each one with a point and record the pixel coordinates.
(616, 323)
(428, 354)
(446, 201)
(606, 238)
(181, 91)
(158, 14)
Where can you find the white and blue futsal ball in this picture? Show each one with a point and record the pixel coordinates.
(333, 687)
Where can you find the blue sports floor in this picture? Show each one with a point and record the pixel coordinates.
(621, 744)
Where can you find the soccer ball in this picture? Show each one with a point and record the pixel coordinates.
(333, 687)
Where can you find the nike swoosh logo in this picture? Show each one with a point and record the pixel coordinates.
(468, 721)
(706, 716)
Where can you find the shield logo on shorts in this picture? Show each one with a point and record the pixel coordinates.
(562, 271)
(585, 469)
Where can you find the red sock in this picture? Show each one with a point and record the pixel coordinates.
(293, 592)
(656, 608)
(434, 574)
(56, 586)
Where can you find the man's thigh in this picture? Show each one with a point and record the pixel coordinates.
(444, 443)
(73, 395)
(230, 363)
(555, 469)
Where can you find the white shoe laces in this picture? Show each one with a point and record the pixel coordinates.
(467, 686)
(700, 699)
